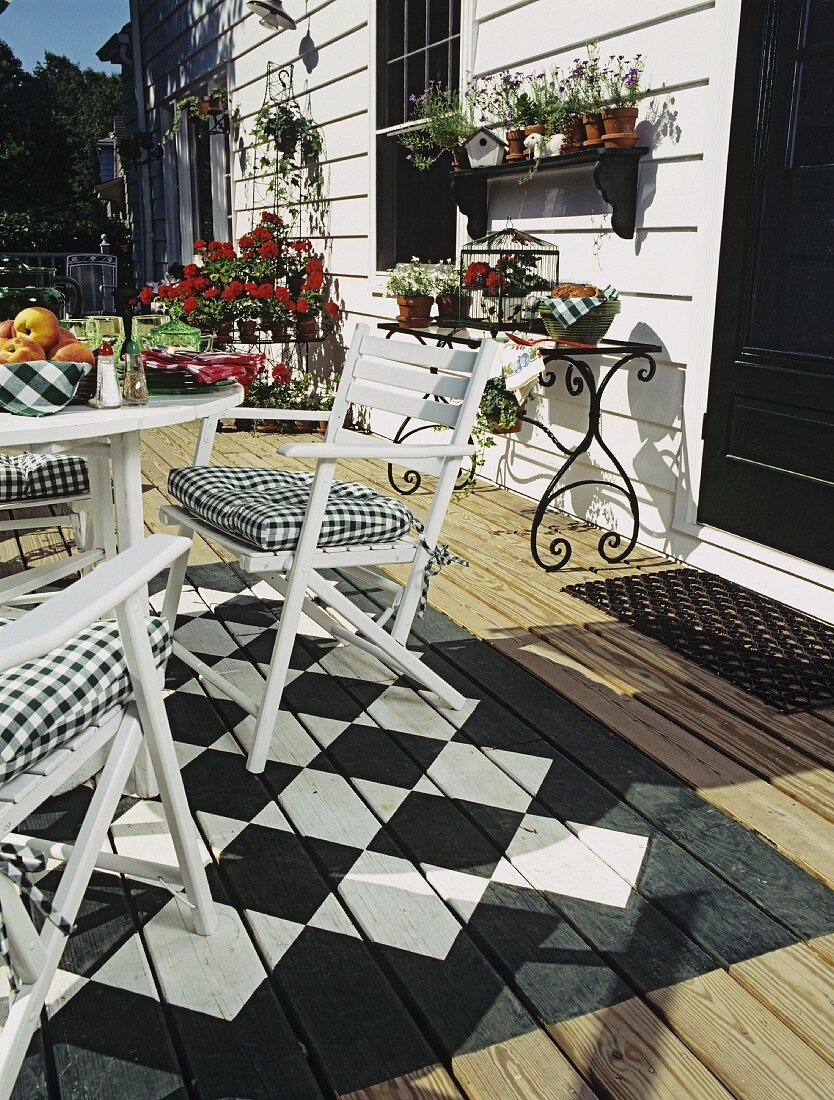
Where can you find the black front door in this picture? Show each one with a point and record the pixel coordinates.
(768, 470)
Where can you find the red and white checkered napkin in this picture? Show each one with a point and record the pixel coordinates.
(208, 366)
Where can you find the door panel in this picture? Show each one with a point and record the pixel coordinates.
(768, 468)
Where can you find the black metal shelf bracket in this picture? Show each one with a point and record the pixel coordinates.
(614, 173)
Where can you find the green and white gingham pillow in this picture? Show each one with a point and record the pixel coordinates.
(40, 387)
(44, 703)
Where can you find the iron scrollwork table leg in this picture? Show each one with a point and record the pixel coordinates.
(411, 479)
(579, 378)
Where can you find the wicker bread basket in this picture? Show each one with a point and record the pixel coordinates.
(588, 329)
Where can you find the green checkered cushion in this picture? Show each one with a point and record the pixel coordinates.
(45, 702)
(35, 476)
(39, 388)
(267, 507)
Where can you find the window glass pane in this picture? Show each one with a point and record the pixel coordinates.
(416, 73)
(439, 13)
(439, 62)
(202, 181)
(391, 16)
(390, 94)
(416, 26)
(415, 212)
(455, 16)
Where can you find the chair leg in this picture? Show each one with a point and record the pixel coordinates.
(151, 708)
(101, 504)
(174, 585)
(279, 664)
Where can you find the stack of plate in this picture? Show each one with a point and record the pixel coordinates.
(180, 382)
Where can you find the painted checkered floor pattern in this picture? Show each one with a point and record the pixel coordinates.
(400, 871)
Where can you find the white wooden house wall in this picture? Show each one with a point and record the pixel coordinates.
(666, 275)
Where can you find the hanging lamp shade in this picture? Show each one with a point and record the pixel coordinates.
(272, 14)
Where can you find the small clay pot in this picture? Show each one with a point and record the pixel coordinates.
(593, 128)
(536, 128)
(306, 328)
(248, 331)
(279, 333)
(574, 134)
(265, 427)
(211, 105)
(223, 335)
(447, 308)
(515, 140)
(414, 312)
(460, 158)
(620, 141)
(496, 429)
(619, 120)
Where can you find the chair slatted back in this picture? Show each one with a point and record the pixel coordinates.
(435, 387)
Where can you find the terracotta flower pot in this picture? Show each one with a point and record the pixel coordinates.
(515, 140)
(574, 134)
(266, 427)
(414, 312)
(223, 334)
(211, 105)
(447, 308)
(593, 128)
(306, 328)
(279, 333)
(620, 141)
(248, 331)
(460, 158)
(536, 128)
(496, 429)
(619, 120)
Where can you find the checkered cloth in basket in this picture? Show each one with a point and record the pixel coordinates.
(567, 310)
(39, 387)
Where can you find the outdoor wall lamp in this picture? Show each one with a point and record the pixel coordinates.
(272, 14)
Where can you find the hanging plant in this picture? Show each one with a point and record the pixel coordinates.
(199, 108)
(130, 147)
(288, 147)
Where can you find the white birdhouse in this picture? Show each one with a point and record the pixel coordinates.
(485, 149)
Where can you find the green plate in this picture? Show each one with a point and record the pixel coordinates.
(179, 383)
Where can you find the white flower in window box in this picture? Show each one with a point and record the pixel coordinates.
(485, 149)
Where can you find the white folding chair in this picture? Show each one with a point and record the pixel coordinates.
(287, 527)
(35, 481)
(71, 686)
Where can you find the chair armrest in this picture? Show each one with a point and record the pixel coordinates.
(388, 452)
(65, 614)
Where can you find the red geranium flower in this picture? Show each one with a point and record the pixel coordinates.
(280, 373)
(315, 264)
(212, 292)
(246, 241)
(250, 288)
(313, 281)
(272, 219)
(199, 245)
(265, 291)
(303, 305)
(189, 304)
(190, 271)
(260, 234)
(146, 295)
(215, 244)
(268, 251)
(228, 295)
(332, 309)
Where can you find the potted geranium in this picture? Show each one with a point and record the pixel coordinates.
(445, 122)
(621, 84)
(413, 287)
(446, 287)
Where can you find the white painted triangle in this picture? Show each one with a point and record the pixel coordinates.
(275, 935)
(553, 859)
(528, 771)
(143, 833)
(325, 730)
(226, 743)
(383, 798)
(425, 786)
(128, 969)
(220, 830)
(331, 917)
(461, 890)
(623, 852)
(271, 817)
(187, 752)
(64, 985)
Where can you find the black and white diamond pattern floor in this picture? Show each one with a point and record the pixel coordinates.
(405, 887)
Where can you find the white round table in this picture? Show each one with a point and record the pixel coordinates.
(122, 428)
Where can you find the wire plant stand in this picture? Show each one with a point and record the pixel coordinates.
(580, 381)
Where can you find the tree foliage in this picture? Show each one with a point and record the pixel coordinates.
(51, 120)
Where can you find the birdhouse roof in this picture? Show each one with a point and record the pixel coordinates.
(489, 133)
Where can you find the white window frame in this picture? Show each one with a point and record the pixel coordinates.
(468, 34)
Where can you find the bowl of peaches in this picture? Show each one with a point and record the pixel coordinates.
(35, 337)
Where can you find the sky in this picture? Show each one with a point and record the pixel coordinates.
(74, 28)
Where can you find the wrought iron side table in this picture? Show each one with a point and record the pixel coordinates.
(579, 379)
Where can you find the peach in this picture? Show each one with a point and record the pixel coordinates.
(20, 349)
(39, 324)
(65, 337)
(6, 329)
(74, 353)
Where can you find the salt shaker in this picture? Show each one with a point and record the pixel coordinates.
(135, 384)
(107, 395)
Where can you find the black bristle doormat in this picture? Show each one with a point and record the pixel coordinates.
(780, 655)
